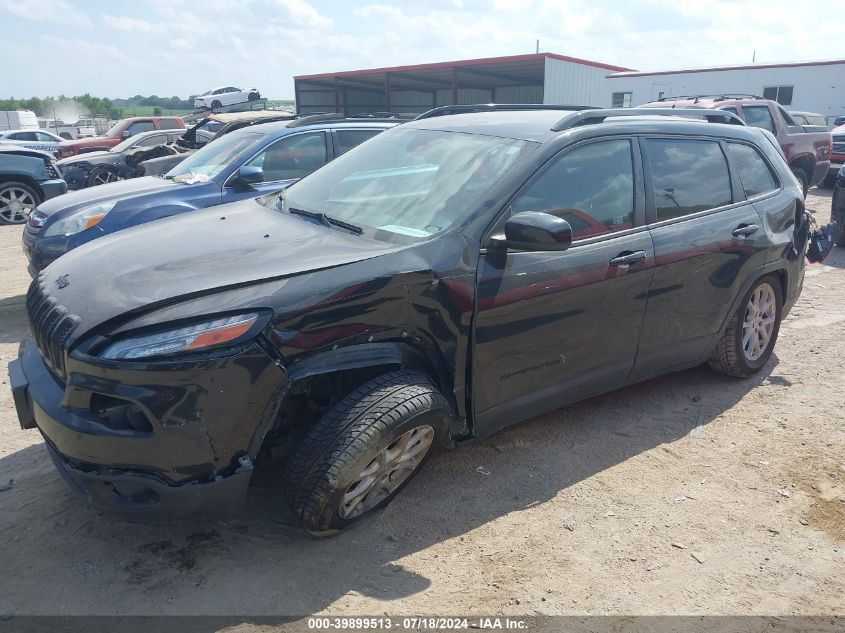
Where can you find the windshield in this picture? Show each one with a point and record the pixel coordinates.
(214, 157)
(408, 181)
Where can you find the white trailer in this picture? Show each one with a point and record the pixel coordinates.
(18, 120)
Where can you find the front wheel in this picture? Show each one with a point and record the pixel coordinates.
(17, 200)
(215, 104)
(365, 450)
(102, 176)
(750, 337)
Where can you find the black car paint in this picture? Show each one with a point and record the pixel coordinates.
(142, 200)
(837, 203)
(505, 335)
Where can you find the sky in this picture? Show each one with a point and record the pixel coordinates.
(181, 47)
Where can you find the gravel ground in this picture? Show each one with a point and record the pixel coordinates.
(688, 494)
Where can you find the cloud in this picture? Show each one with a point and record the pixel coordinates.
(125, 23)
(374, 10)
(47, 11)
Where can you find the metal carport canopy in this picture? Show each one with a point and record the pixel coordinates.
(442, 80)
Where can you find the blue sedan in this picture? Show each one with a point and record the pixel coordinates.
(245, 163)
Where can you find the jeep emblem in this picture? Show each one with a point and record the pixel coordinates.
(62, 281)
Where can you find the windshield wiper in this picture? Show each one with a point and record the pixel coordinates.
(327, 220)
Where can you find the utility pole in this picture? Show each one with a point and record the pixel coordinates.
(538, 47)
(754, 56)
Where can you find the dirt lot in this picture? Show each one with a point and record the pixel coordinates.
(692, 493)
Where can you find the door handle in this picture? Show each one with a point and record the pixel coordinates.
(628, 259)
(745, 230)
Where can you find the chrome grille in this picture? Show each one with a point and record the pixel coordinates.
(839, 144)
(51, 325)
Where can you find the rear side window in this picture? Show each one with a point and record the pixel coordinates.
(347, 139)
(689, 176)
(754, 172)
(168, 124)
(759, 116)
(591, 187)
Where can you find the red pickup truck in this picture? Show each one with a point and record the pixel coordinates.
(807, 153)
(121, 130)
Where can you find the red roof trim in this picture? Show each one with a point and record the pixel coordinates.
(464, 62)
(717, 68)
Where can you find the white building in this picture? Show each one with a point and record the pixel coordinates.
(809, 86)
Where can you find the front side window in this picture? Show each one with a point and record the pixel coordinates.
(688, 176)
(44, 137)
(292, 157)
(591, 187)
(759, 116)
(753, 171)
(140, 126)
(622, 99)
(347, 139)
(409, 182)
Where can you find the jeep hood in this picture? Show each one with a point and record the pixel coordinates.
(194, 254)
(120, 190)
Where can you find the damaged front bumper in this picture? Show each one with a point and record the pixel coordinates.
(151, 442)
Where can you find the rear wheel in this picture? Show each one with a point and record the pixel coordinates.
(803, 179)
(839, 237)
(750, 337)
(17, 200)
(365, 450)
(254, 96)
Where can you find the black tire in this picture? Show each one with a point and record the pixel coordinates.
(254, 96)
(14, 190)
(730, 357)
(828, 182)
(101, 176)
(803, 179)
(215, 104)
(355, 434)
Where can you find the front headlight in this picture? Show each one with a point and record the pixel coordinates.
(80, 220)
(191, 338)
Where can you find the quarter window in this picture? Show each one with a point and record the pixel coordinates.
(592, 187)
(688, 176)
(759, 116)
(292, 157)
(754, 173)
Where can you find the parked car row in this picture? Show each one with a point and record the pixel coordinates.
(350, 306)
(28, 177)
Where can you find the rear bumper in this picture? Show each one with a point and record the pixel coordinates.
(186, 461)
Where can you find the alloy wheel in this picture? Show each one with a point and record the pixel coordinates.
(759, 322)
(386, 472)
(105, 176)
(16, 205)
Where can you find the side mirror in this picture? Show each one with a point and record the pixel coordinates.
(535, 231)
(249, 175)
(126, 134)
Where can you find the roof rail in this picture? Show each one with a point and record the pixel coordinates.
(591, 117)
(308, 119)
(497, 107)
(719, 97)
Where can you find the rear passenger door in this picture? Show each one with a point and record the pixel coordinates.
(707, 240)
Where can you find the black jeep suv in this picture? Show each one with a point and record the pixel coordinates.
(452, 276)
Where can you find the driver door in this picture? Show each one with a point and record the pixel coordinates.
(555, 327)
